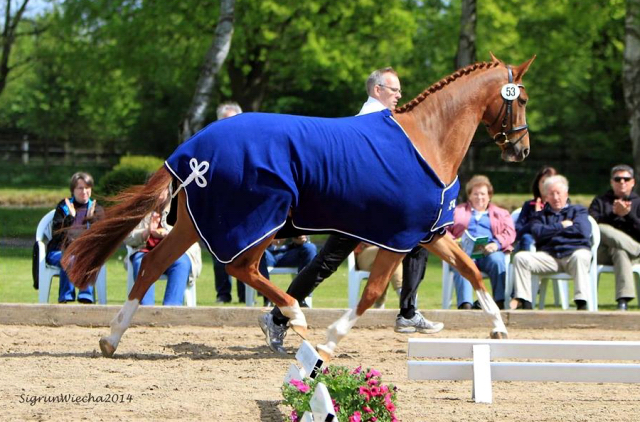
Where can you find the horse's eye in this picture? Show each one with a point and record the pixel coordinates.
(522, 101)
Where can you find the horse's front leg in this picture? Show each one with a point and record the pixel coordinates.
(383, 267)
(246, 268)
(152, 266)
(448, 250)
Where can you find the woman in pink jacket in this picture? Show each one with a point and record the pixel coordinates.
(486, 230)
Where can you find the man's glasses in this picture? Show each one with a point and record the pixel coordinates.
(619, 179)
(392, 89)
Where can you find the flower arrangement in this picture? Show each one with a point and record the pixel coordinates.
(358, 396)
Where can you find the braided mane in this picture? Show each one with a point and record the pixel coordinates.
(444, 82)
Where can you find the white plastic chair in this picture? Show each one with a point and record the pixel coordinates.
(635, 269)
(447, 275)
(354, 277)
(561, 279)
(189, 291)
(46, 272)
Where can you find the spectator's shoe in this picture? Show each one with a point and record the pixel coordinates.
(581, 305)
(623, 304)
(273, 332)
(465, 306)
(417, 324)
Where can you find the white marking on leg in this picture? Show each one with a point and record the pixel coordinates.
(295, 315)
(121, 321)
(338, 330)
(491, 310)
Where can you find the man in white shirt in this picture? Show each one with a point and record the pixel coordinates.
(384, 90)
(383, 87)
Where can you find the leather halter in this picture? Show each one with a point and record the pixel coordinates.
(502, 138)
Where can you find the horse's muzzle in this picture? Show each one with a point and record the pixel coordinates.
(515, 153)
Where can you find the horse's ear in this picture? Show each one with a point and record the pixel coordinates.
(519, 71)
(494, 58)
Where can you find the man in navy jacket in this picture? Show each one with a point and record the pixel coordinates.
(563, 244)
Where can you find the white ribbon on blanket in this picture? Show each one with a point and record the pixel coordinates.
(197, 170)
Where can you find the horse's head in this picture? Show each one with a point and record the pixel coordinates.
(505, 114)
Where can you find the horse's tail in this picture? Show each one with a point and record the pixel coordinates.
(85, 256)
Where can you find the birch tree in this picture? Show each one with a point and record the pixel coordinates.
(214, 59)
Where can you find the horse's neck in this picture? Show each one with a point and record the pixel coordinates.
(443, 124)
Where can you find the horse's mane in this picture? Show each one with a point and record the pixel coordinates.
(444, 82)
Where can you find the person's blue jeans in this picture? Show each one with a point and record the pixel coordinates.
(177, 278)
(66, 290)
(526, 242)
(294, 256)
(494, 266)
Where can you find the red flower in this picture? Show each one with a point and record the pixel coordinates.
(365, 392)
(367, 409)
(355, 417)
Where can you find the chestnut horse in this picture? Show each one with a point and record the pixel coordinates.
(440, 124)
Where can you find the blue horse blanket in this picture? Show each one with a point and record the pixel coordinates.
(359, 176)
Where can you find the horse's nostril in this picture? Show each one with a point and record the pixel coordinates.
(525, 152)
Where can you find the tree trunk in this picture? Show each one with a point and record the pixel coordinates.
(631, 76)
(194, 120)
(7, 38)
(465, 56)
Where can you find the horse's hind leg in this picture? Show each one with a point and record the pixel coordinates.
(153, 265)
(245, 268)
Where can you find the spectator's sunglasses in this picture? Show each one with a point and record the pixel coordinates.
(619, 179)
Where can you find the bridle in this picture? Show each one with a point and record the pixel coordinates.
(502, 138)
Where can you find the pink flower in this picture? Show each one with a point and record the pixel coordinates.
(390, 407)
(355, 417)
(294, 416)
(375, 391)
(387, 399)
(372, 381)
(357, 370)
(394, 419)
(367, 409)
(301, 386)
(365, 392)
(373, 419)
(325, 370)
(336, 406)
(372, 373)
(384, 389)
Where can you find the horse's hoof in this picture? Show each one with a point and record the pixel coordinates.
(300, 330)
(497, 335)
(324, 353)
(107, 349)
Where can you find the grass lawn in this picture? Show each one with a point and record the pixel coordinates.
(16, 285)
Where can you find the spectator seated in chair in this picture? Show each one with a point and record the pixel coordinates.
(562, 233)
(147, 235)
(480, 219)
(73, 216)
(618, 215)
(524, 238)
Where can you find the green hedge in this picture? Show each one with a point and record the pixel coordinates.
(131, 170)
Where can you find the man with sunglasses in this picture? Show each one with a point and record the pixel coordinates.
(618, 215)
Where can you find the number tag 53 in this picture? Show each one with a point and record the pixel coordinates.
(510, 91)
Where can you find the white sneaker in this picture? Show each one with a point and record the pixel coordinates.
(417, 324)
